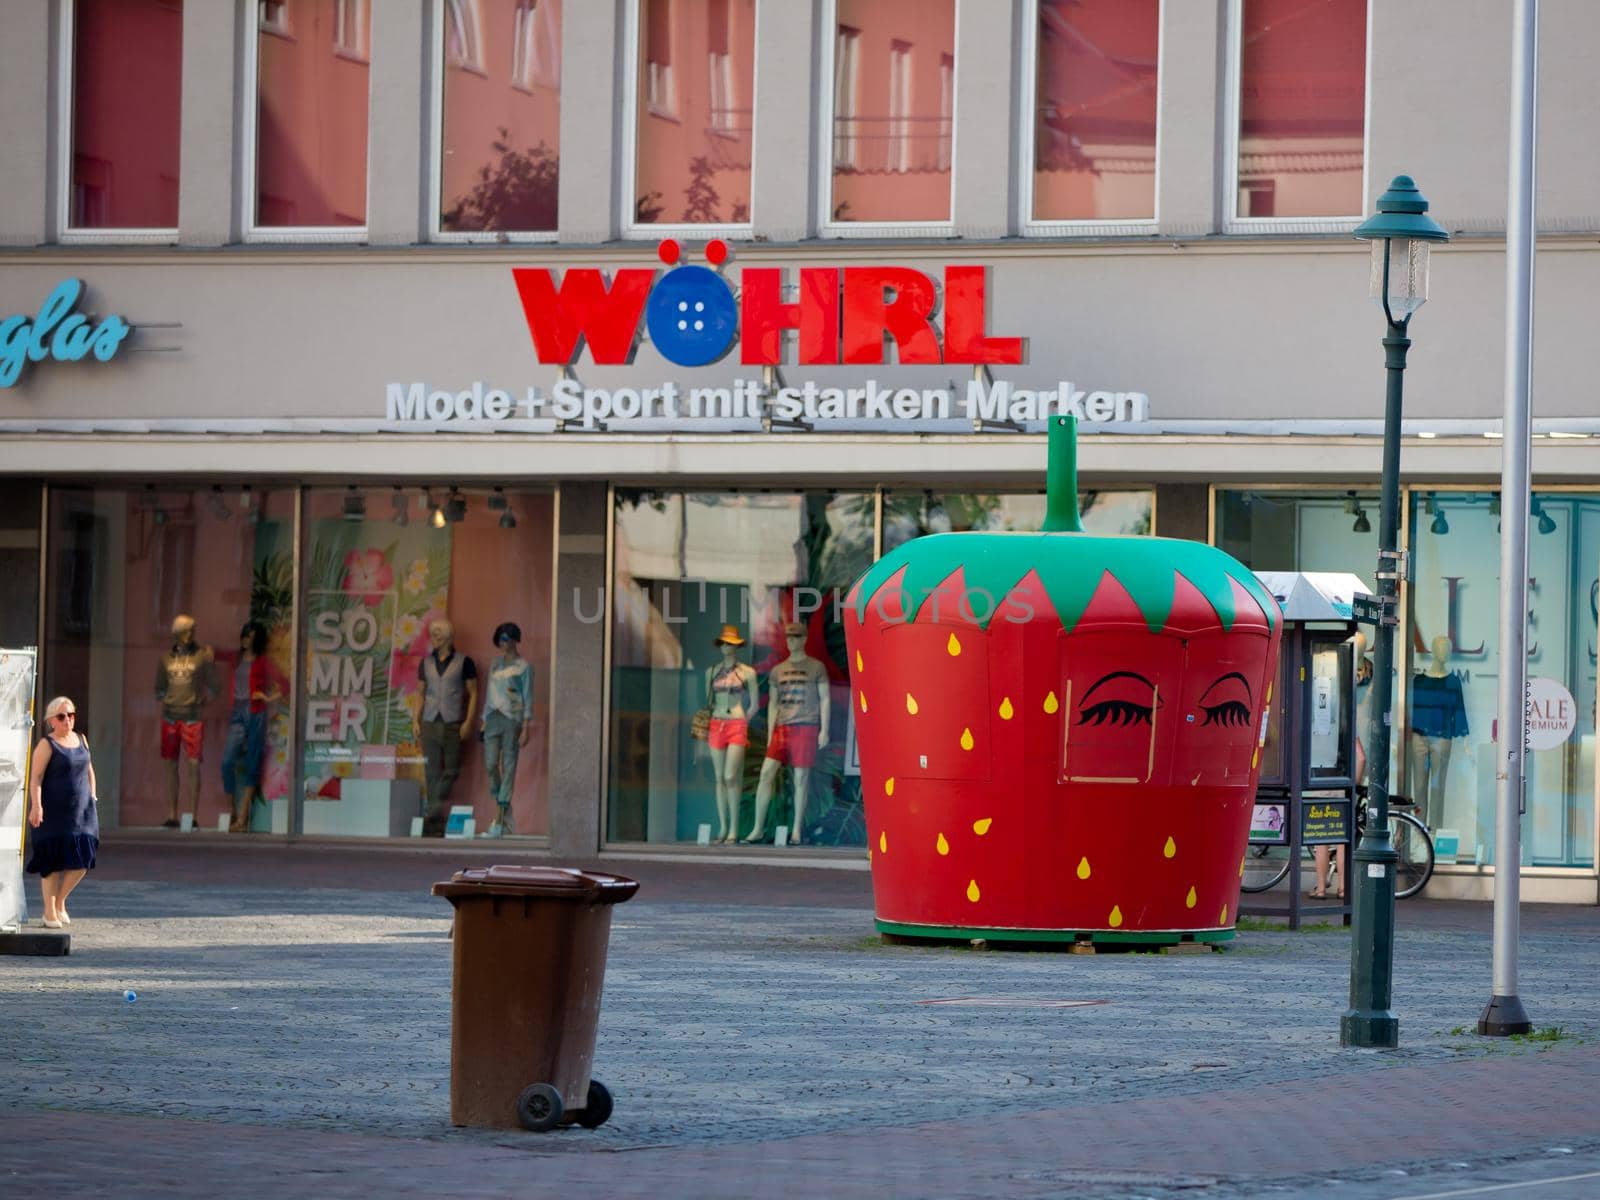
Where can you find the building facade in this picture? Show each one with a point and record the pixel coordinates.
(629, 321)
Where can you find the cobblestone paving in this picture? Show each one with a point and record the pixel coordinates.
(328, 1010)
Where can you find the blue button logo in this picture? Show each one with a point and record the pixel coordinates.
(691, 315)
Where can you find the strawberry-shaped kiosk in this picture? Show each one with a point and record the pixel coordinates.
(1059, 732)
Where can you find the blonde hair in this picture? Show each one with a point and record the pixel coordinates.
(56, 706)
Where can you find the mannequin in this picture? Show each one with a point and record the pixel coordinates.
(507, 719)
(185, 684)
(731, 693)
(257, 688)
(442, 720)
(799, 705)
(1438, 716)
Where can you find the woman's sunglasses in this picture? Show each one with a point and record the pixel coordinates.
(63, 716)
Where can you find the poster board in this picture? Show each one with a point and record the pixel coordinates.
(16, 735)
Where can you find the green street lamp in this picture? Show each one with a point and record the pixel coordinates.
(1401, 234)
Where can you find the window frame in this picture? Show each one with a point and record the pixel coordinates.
(637, 231)
(1232, 222)
(435, 200)
(249, 166)
(66, 153)
(471, 26)
(827, 227)
(357, 16)
(1027, 128)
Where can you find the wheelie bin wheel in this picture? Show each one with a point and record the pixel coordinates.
(539, 1107)
(598, 1110)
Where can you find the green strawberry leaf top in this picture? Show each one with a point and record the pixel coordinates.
(1070, 563)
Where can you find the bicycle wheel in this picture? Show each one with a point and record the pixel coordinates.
(1264, 867)
(1411, 842)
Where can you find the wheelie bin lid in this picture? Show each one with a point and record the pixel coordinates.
(567, 883)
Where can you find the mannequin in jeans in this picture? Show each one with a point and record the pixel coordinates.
(507, 719)
(1438, 717)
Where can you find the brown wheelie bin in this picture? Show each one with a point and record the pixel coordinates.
(530, 959)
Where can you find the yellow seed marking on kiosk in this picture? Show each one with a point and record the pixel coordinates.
(888, 790)
(862, 696)
(953, 645)
(1190, 899)
(1051, 704)
(966, 739)
(981, 826)
(942, 846)
(883, 842)
(1006, 711)
(911, 704)
(1116, 916)
(860, 666)
(1241, 866)
(1170, 848)
(1224, 919)
(1083, 868)
(972, 891)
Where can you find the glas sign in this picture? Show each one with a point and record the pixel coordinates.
(57, 332)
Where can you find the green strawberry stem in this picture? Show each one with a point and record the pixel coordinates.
(1061, 478)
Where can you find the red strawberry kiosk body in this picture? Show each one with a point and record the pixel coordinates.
(1059, 733)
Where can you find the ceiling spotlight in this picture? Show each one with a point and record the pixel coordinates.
(1547, 523)
(508, 519)
(1440, 525)
(398, 500)
(1494, 505)
(437, 519)
(355, 505)
(217, 505)
(455, 508)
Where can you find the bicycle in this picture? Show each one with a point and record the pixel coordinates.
(1267, 866)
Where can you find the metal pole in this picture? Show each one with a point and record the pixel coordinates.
(1504, 1013)
(1370, 1019)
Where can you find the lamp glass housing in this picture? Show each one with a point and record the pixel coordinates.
(1408, 274)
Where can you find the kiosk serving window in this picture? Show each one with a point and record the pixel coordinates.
(730, 685)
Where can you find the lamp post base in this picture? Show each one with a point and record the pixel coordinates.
(1374, 1030)
(1503, 1017)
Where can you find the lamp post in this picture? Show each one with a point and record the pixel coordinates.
(1400, 234)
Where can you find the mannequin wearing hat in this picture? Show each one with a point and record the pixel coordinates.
(507, 718)
(799, 728)
(731, 693)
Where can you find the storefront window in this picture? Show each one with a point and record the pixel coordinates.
(695, 88)
(311, 118)
(149, 590)
(127, 65)
(403, 589)
(908, 515)
(730, 684)
(1302, 108)
(500, 156)
(893, 110)
(1094, 142)
(20, 723)
(1451, 730)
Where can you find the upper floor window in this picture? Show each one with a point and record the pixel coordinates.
(310, 162)
(273, 16)
(691, 126)
(892, 113)
(1302, 84)
(1094, 112)
(127, 59)
(463, 46)
(499, 153)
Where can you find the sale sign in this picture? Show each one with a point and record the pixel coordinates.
(1552, 714)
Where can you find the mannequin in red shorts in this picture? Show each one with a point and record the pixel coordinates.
(732, 692)
(799, 704)
(185, 684)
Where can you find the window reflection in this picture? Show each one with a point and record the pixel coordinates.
(893, 110)
(1095, 125)
(311, 118)
(127, 58)
(500, 158)
(908, 515)
(696, 82)
(1302, 108)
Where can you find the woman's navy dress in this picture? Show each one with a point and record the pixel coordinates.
(69, 835)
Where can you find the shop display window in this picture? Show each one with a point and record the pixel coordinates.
(908, 515)
(1302, 108)
(692, 119)
(401, 588)
(127, 69)
(500, 120)
(148, 591)
(893, 110)
(1094, 133)
(729, 680)
(312, 74)
(1450, 732)
(19, 640)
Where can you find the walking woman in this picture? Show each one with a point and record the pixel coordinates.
(61, 810)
